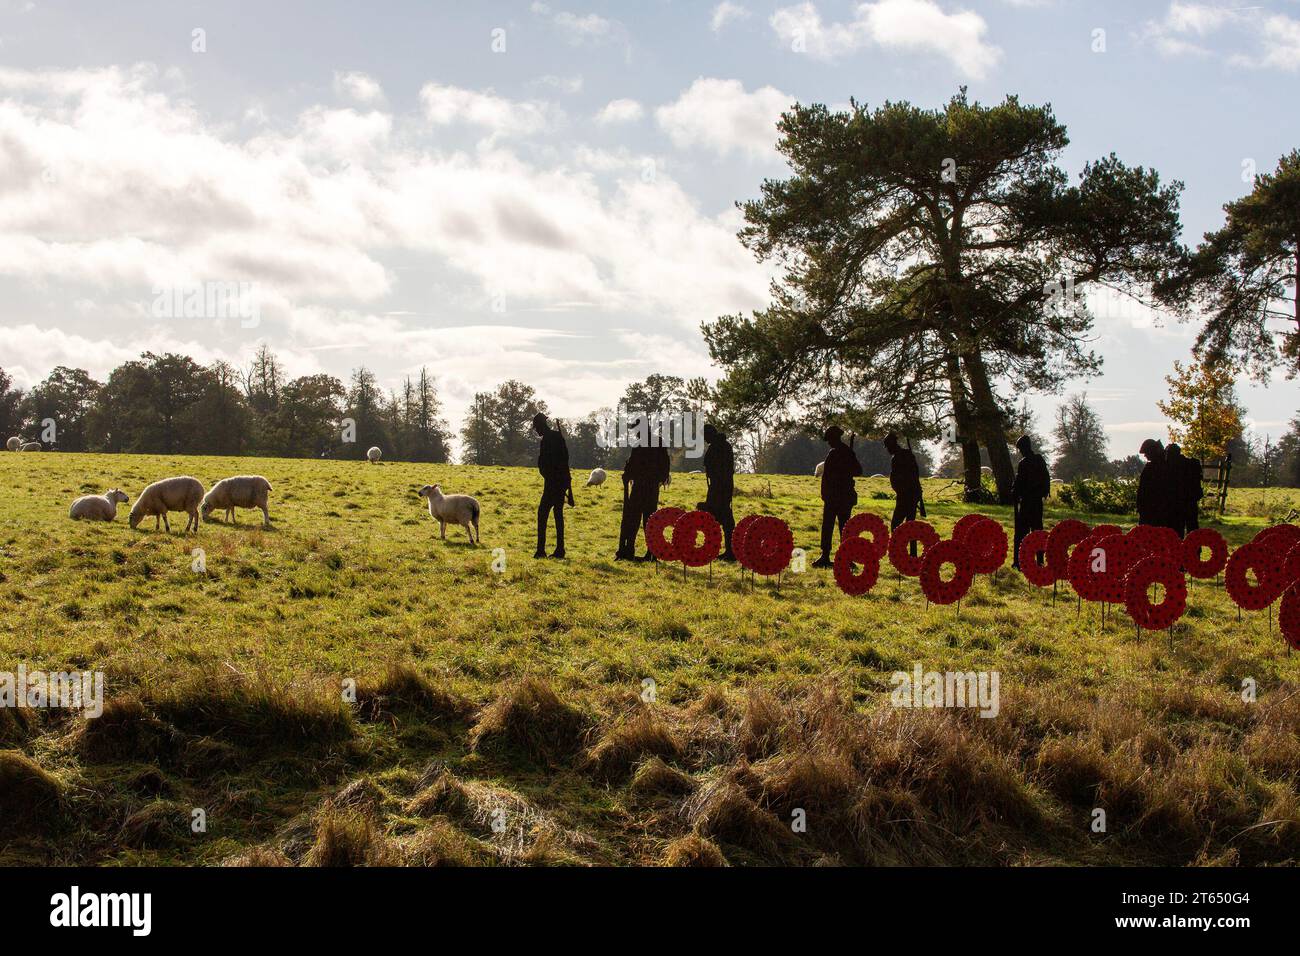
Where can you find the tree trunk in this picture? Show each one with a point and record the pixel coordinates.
(965, 434)
(988, 421)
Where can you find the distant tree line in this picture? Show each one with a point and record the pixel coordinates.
(170, 404)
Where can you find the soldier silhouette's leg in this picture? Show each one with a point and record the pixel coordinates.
(828, 530)
(559, 530)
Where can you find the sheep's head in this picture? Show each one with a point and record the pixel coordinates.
(136, 515)
(424, 492)
(116, 496)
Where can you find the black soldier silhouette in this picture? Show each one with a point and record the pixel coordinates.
(905, 479)
(1153, 486)
(1032, 485)
(557, 484)
(720, 472)
(1185, 491)
(839, 494)
(646, 471)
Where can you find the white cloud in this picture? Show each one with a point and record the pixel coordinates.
(358, 87)
(444, 105)
(725, 13)
(902, 25)
(588, 29)
(1246, 36)
(720, 116)
(367, 245)
(620, 111)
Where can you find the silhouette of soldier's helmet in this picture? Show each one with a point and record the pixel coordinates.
(890, 441)
(1151, 447)
(834, 433)
(1024, 444)
(1173, 449)
(539, 420)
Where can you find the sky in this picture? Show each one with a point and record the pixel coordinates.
(546, 190)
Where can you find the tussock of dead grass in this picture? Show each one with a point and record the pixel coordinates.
(693, 850)
(349, 838)
(30, 797)
(530, 720)
(403, 688)
(654, 778)
(261, 857)
(627, 742)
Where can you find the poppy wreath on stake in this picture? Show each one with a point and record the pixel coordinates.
(1155, 569)
(1121, 554)
(953, 552)
(655, 527)
(1156, 539)
(1087, 567)
(769, 545)
(1288, 615)
(686, 531)
(1279, 539)
(860, 551)
(1291, 567)
(965, 523)
(866, 523)
(738, 538)
(904, 535)
(1064, 536)
(1268, 578)
(987, 543)
(1194, 543)
(1034, 544)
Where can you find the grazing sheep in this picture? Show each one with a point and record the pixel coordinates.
(458, 509)
(817, 472)
(597, 477)
(14, 443)
(374, 454)
(242, 491)
(169, 494)
(30, 446)
(97, 507)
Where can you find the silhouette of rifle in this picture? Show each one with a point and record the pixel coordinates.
(568, 475)
(920, 501)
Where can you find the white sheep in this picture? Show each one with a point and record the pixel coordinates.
(879, 475)
(169, 494)
(597, 477)
(374, 454)
(817, 472)
(461, 510)
(14, 443)
(98, 507)
(30, 446)
(241, 491)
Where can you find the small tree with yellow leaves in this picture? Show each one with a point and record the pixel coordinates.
(1203, 406)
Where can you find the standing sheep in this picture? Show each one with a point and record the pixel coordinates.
(242, 491)
(169, 494)
(97, 507)
(14, 443)
(458, 509)
(30, 446)
(817, 472)
(374, 454)
(597, 477)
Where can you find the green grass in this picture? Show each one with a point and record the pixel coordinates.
(514, 698)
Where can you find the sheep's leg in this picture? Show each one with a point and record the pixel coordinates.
(266, 517)
(230, 513)
(166, 524)
(442, 527)
(194, 516)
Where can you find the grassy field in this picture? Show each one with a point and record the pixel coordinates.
(499, 717)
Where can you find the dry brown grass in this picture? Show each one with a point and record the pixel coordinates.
(531, 721)
(693, 850)
(31, 798)
(627, 742)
